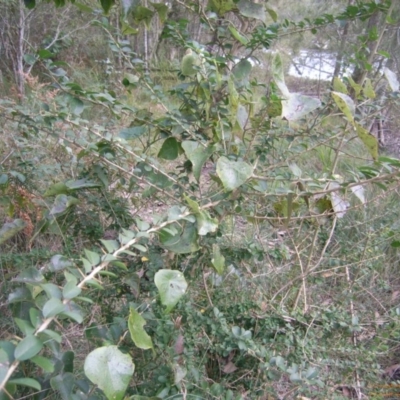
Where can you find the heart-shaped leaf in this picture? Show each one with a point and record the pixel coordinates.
(171, 286)
(233, 173)
(111, 370)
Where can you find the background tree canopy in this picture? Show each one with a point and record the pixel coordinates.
(199, 199)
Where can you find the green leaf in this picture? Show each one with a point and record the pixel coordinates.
(110, 245)
(184, 238)
(64, 384)
(221, 7)
(75, 315)
(190, 63)
(251, 10)
(162, 10)
(368, 90)
(142, 14)
(28, 348)
(3, 179)
(238, 36)
(70, 290)
(81, 184)
(25, 326)
(59, 262)
(111, 370)
(93, 257)
(10, 229)
(139, 336)
(242, 116)
(45, 54)
(339, 86)
(171, 286)
(277, 74)
(218, 260)
(130, 80)
(56, 188)
(53, 307)
(197, 155)
(35, 316)
(233, 173)
(170, 149)
(26, 382)
(30, 3)
(392, 79)
(126, 29)
(272, 14)
(83, 7)
(298, 106)
(53, 335)
(62, 203)
(205, 223)
(369, 140)
(43, 363)
(133, 132)
(345, 104)
(30, 275)
(242, 70)
(106, 5)
(76, 105)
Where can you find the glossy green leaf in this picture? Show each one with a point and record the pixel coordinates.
(26, 382)
(25, 326)
(53, 335)
(43, 363)
(10, 229)
(139, 336)
(35, 317)
(233, 173)
(111, 370)
(53, 307)
(28, 348)
(171, 285)
(71, 290)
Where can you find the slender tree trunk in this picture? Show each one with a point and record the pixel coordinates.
(342, 46)
(19, 68)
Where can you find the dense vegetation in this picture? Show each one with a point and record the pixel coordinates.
(180, 218)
